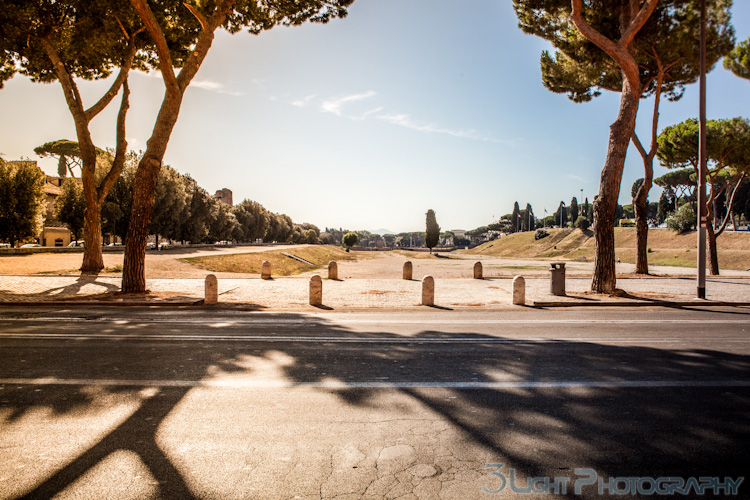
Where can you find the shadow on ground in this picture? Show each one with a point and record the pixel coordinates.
(619, 432)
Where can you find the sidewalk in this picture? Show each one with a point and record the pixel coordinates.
(291, 293)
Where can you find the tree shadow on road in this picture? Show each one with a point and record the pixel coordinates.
(605, 415)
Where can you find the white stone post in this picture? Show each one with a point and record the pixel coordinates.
(519, 291)
(407, 270)
(428, 291)
(212, 289)
(478, 271)
(265, 270)
(316, 291)
(333, 270)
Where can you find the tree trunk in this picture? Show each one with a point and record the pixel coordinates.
(713, 257)
(93, 261)
(641, 232)
(144, 190)
(605, 206)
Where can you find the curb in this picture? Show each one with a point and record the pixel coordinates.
(94, 303)
(199, 303)
(638, 303)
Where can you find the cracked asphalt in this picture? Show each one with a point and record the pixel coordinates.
(158, 403)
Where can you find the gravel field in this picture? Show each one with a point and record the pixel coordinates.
(364, 284)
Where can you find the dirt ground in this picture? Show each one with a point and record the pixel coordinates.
(162, 264)
(385, 265)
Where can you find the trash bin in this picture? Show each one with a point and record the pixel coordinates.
(557, 278)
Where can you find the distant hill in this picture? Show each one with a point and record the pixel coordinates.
(666, 248)
(381, 231)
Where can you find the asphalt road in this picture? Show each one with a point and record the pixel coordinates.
(189, 403)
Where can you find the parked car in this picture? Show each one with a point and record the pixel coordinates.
(78, 243)
(31, 245)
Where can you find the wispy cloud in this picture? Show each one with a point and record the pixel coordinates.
(403, 120)
(301, 103)
(212, 86)
(342, 106)
(335, 105)
(208, 85)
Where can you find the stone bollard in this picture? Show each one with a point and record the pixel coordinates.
(428, 291)
(333, 270)
(519, 291)
(265, 270)
(407, 270)
(212, 290)
(316, 291)
(478, 271)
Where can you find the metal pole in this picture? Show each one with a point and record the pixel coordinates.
(702, 163)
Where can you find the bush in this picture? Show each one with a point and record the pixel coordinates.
(683, 219)
(540, 233)
(582, 223)
(350, 239)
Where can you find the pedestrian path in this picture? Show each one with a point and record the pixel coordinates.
(292, 292)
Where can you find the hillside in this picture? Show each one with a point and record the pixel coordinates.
(667, 247)
(281, 265)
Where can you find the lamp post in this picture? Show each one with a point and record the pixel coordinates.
(701, 264)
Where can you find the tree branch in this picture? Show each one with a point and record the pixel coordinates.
(162, 49)
(205, 39)
(657, 101)
(637, 143)
(120, 150)
(729, 205)
(619, 51)
(200, 17)
(589, 32)
(115, 88)
(637, 22)
(72, 97)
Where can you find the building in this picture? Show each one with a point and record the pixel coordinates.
(224, 196)
(54, 233)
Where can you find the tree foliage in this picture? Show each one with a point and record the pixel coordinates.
(66, 40)
(182, 35)
(349, 239)
(69, 155)
(169, 204)
(70, 207)
(683, 219)
(515, 218)
(22, 201)
(432, 233)
(680, 180)
(738, 60)
(573, 210)
(667, 203)
(728, 162)
(665, 43)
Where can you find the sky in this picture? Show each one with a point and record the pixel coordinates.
(368, 122)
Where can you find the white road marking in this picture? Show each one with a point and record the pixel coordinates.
(323, 321)
(340, 384)
(360, 340)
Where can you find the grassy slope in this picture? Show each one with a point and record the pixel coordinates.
(281, 265)
(668, 248)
